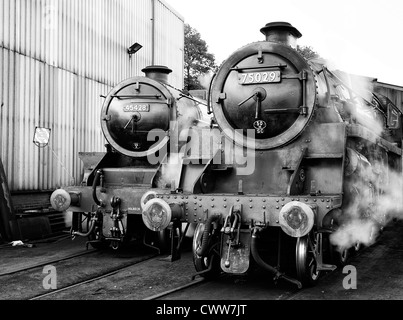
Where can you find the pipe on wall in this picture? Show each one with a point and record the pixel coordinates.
(153, 32)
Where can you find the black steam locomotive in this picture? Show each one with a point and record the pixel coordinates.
(145, 122)
(296, 160)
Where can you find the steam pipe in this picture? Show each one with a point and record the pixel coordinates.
(257, 257)
(91, 229)
(152, 32)
(202, 250)
(264, 265)
(94, 188)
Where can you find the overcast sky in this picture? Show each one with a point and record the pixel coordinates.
(360, 37)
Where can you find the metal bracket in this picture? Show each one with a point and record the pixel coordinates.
(294, 176)
(221, 97)
(275, 66)
(175, 241)
(260, 58)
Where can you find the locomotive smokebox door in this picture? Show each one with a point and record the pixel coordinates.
(266, 88)
(235, 257)
(136, 116)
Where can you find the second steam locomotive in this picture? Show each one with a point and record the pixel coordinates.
(145, 121)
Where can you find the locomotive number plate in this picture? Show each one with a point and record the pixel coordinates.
(260, 77)
(137, 108)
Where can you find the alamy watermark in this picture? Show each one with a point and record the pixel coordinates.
(208, 146)
(350, 281)
(50, 17)
(50, 280)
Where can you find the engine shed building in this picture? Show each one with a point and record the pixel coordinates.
(393, 92)
(57, 59)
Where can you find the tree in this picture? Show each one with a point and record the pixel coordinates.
(307, 52)
(198, 61)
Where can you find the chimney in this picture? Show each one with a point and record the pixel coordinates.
(157, 73)
(282, 32)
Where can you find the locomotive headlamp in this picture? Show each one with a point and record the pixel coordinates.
(147, 197)
(157, 214)
(61, 200)
(296, 219)
(134, 48)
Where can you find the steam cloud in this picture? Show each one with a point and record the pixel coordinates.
(375, 193)
(205, 80)
(376, 202)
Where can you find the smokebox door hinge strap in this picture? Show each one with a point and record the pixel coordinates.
(303, 110)
(221, 97)
(260, 58)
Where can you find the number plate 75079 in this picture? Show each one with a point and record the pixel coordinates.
(260, 77)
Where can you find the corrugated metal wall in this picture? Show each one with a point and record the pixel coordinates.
(56, 58)
(394, 93)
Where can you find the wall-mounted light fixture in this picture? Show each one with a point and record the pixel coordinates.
(134, 48)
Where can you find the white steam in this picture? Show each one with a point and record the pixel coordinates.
(377, 199)
(205, 79)
(375, 190)
(357, 231)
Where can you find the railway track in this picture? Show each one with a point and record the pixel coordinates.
(54, 253)
(177, 289)
(145, 276)
(232, 288)
(260, 287)
(48, 262)
(96, 278)
(25, 271)
(148, 278)
(256, 287)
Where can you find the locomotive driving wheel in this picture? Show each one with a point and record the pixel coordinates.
(206, 264)
(307, 249)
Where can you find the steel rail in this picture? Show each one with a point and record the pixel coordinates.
(103, 276)
(168, 292)
(47, 262)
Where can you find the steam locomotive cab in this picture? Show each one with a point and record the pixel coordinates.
(141, 119)
(292, 143)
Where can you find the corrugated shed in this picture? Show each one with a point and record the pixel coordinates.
(393, 92)
(56, 58)
(163, 40)
(90, 37)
